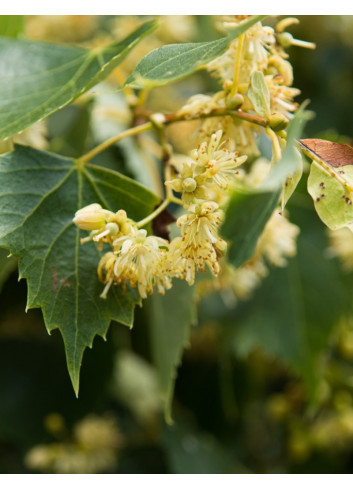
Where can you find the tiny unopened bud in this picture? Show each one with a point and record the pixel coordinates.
(286, 39)
(233, 103)
(189, 184)
(90, 218)
(227, 85)
(121, 216)
(113, 228)
(278, 122)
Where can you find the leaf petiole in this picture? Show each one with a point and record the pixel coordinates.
(101, 147)
(154, 214)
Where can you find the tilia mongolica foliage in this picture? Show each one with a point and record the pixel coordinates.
(94, 243)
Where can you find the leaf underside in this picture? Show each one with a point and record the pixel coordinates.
(37, 226)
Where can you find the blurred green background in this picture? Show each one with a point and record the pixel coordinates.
(259, 390)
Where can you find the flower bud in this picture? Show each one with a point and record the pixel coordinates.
(233, 103)
(189, 184)
(278, 122)
(285, 39)
(113, 228)
(90, 218)
(121, 216)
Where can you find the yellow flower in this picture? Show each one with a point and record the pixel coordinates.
(258, 41)
(216, 162)
(190, 185)
(278, 240)
(199, 245)
(140, 261)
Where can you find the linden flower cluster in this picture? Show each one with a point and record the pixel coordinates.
(256, 97)
(259, 52)
(136, 257)
(146, 261)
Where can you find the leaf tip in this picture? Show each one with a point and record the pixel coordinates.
(168, 419)
(75, 380)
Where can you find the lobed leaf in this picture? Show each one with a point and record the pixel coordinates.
(36, 79)
(36, 225)
(175, 61)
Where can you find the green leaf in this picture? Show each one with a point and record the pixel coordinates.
(175, 61)
(259, 94)
(36, 79)
(170, 318)
(246, 216)
(292, 315)
(332, 194)
(11, 25)
(292, 181)
(249, 210)
(41, 193)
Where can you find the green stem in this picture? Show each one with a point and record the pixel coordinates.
(101, 147)
(154, 214)
(237, 65)
(276, 149)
